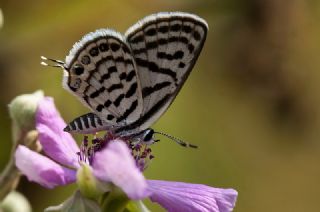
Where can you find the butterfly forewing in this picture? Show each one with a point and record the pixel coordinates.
(165, 47)
(101, 72)
(129, 81)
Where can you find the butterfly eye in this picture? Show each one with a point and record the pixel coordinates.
(78, 69)
(148, 135)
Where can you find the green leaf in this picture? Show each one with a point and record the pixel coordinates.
(76, 203)
(136, 206)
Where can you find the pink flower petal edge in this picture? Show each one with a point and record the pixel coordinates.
(41, 169)
(184, 197)
(56, 143)
(116, 164)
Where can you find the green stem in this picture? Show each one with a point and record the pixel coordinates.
(10, 177)
(115, 201)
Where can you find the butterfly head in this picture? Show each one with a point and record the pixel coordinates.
(147, 136)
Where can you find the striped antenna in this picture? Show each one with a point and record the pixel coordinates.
(57, 63)
(177, 140)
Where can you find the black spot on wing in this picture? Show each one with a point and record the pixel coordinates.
(94, 51)
(99, 108)
(114, 47)
(162, 41)
(149, 90)
(85, 60)
(115, 87)
(153, 67)
(177, 55)
(152, 45)
(137, 39)
(131, 75)
(175, 27)
(187, 29)
(123, 76)
(104, 47)
(132, 90)
(128, 111)
(182, 65)
(107, 103)
(112, 69)
(118, 100)
(78, 69)
(190, 47)
(106, 76)
(125, 49)
(97, 92)
(151, 32)
(196, 35)
(163, 29)
(110, 117)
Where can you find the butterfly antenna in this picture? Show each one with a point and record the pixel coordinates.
(57, 63)
(177, 140)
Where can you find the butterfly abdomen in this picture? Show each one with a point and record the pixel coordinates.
(88, 123)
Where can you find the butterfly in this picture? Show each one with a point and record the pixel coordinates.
(128, 81)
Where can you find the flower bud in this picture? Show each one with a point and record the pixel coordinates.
(22, 111)
(15, 201)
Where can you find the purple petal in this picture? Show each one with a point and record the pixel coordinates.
(57, 144)
(178, 196)
(115, 164)
(41, 169)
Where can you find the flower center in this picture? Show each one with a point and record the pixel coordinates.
(141, 152)
(142, 155)
(88, 149)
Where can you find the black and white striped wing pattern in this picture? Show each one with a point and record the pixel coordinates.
(165, 47)
(101, 72)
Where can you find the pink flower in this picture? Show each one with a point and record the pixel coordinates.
(61, 162)
(113, 163)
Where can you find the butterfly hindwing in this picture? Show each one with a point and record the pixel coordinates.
(165, 47)
(101, 72)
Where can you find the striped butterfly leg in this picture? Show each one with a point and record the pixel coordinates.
(86, 124)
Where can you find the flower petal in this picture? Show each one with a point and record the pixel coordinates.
(56, 143)
(41, 169)
(178, 196)
(115, 164)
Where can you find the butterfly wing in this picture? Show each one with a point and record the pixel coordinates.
(165, 47)
(101, 72)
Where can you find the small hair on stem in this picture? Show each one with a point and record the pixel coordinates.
(177, 140)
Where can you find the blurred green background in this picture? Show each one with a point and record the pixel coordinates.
(252, 102)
